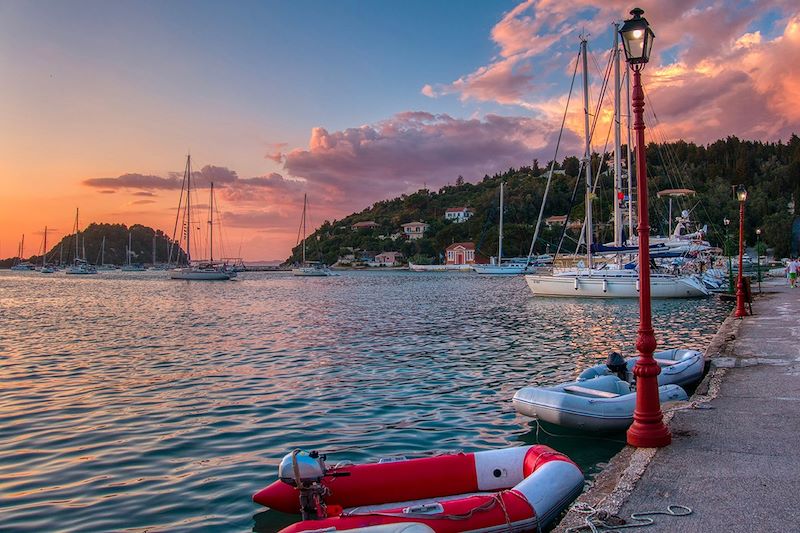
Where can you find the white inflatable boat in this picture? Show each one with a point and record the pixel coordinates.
(604, 403)
(678, 367)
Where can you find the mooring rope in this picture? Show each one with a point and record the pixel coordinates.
(598, 521)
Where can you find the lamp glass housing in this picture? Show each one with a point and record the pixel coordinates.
(741, 193)
(637, 38)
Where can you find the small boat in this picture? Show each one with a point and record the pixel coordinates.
(22, 266)
(511, 489)
(604, 403)
(80, 266)
(309, 268)
(201, 271)
(45, 268)
(678, 367)
(130, 266)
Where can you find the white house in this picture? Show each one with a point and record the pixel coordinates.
(414, 230)
(458, 214)
(387, 259)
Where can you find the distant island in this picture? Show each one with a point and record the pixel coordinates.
(142, 237)
(420, 226)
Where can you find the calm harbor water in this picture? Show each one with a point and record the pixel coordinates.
(130, 401)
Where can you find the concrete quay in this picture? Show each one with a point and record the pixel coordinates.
(735, 454)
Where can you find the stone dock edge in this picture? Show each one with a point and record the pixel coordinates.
(611, 487)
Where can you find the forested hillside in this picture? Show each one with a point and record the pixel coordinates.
(770, 171)
(116, 236)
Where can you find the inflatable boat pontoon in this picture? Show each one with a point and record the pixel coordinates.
(604, 403)
(678, 367)
(512, 489)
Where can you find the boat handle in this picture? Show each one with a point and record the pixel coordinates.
(425, 508)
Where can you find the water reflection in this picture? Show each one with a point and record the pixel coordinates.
(133, 401)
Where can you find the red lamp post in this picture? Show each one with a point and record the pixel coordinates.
(741, 195)
(648, 429)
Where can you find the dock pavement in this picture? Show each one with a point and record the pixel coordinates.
(735, 453)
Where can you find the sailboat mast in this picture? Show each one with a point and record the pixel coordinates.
(128, 249)
(44, 248)
(587, 155)
(22, 246)
(188, 209)
(305, 203)
(500, 240)
(61, 254)
(211, 224)
(154, 249)
(629, 152)
(77, 234)
(103, 251)
(617, 144)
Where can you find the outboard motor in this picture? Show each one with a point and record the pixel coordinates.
(617, 365)
(304, 471)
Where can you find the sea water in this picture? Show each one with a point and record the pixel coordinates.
(132, 401)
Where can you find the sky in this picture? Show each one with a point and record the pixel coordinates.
(350, 102)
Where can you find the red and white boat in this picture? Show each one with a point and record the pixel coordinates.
(512, 489)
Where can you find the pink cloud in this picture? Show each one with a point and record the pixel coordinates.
(719, 61)
(357, 166)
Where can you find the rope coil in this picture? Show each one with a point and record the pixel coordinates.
(598, 521)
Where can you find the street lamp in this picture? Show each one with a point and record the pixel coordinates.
(758, 257)
(727, 223)
(741, 195)
(648, 429)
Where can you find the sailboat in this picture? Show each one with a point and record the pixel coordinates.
(510, 267)
(102, 263)
(611, 281)
(79, 266)
(206, 271)
(309, 268)
(22, 266)
(129, 266)
(46, 269)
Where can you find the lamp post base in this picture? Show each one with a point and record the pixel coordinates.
(655, 435)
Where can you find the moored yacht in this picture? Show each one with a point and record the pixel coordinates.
(206, 270)
(309, 268)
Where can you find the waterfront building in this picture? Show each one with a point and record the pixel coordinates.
(388, 259)
(460, 253)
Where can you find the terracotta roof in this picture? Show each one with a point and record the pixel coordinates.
(465, 245)
(415, 224)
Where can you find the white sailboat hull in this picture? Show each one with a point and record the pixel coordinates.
(599, 286)
(500, 270)
(311, 272)
(440, 268)
(80, 270)
(200, 275)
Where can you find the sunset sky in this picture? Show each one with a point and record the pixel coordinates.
(349, 101)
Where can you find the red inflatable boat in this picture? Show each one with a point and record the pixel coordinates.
(512, 489)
